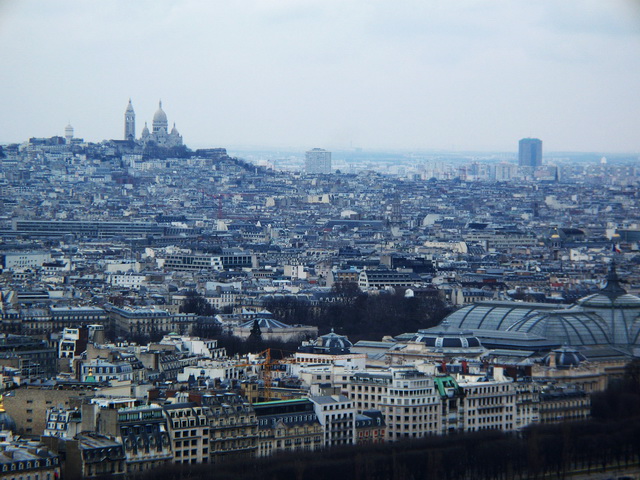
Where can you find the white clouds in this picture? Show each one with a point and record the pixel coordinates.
(292, 72)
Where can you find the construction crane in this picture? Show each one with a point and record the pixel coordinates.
(267, 368)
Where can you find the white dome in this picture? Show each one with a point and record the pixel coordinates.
(160, 118)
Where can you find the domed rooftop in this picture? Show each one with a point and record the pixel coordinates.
(598, 300)
(609, 317)
(442, 337)
(494, 315)
(160, 118)
(619, 310)
(564, 357)
(565, 326)
(334, 343)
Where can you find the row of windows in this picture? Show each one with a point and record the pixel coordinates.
(289, 419)
(488, 389)
(29, 464)
(193, 460)
(185, 413)
(414, 401)
(46, 476)
(193, 443)
(194, 452)
(339, 406)
(192, 422)
(490, 419)
(192, 433)
(368, 388)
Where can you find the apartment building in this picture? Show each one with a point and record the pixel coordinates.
(337, 415)
(91, 455)
(196, 262)
(527, 403)
(367, 390)
(489, 405)
(379, 279)
(23, 461)
(233, 426)
(411, 406)
(288, 426)
(370, 427)
(566, 403)
(143, 432)
(188, 432)
(28, 405)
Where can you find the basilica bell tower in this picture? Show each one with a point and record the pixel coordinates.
(129, 123)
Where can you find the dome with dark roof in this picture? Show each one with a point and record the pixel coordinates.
(334, 343)
(564, 357)
(443, 337)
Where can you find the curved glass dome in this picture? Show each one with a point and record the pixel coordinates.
(494, 315)
(565, 326)
(599, 300)
(609, 317)
(619, 310)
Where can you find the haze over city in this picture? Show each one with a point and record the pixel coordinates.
(285, 239)
(462, 75)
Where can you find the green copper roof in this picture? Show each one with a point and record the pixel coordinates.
(445, 382)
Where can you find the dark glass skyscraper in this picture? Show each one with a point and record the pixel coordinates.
(530, 152)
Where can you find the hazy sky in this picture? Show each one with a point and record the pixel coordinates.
(415, 74)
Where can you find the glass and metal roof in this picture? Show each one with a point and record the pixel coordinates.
(494, 315)
(566, 327)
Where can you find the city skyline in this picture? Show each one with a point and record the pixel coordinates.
(464, 77)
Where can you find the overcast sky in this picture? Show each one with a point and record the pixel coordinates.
(385, 74)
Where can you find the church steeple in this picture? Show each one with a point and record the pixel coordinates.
(129, 123)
